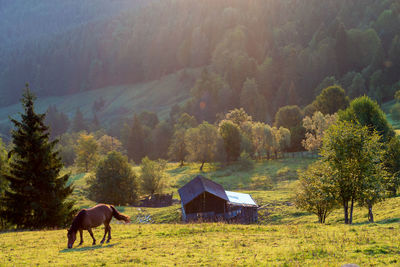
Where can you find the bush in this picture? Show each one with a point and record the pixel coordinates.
(114, 182)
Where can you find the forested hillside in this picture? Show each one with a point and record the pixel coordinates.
(288, 49)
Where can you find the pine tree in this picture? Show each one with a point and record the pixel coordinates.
(78, 123)
(37, 194)
(136, 147)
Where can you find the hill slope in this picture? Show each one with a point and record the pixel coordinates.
(120, 101)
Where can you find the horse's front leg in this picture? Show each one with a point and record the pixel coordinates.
(81, 234)
(91, 234)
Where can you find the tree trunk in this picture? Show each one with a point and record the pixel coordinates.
(202, 165)
(351, 211)
(324, 218)
(181, 164)
(346, 212)
(370, 214)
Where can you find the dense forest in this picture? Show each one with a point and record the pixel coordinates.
(259, 55)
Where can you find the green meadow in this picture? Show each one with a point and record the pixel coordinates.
(284, 236)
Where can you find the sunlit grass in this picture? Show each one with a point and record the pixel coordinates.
(211, 244)
(284, 236)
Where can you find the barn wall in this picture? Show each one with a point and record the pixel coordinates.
(206, 202)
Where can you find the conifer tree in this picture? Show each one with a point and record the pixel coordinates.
(78, 123)
(136, 148)
(37, 194)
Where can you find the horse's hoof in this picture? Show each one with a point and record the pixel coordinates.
(108, 241)
(102, 241)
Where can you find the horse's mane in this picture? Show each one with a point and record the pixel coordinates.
(77, 222)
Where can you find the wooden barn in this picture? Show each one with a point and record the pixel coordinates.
(203, 199)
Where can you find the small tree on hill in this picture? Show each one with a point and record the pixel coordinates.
(331, 100)
(37, 194)
(114, 182)
(315, 129)
(86, 151)
(136, 141)
(57, 121)
(230, 134)
(202, 143)
(291, 117)
(152, 175)
(367, 112)
(355, 155)
(177, 149)
(316, 194)
(108, 144)
(392, 164)
(262, 139)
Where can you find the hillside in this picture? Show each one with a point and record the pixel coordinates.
(120, 101)
(290, 48)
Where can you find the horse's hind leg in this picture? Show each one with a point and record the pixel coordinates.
(109, 234)
(81, 234)
(105, 233)
(91, 234)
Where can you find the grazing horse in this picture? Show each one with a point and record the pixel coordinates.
(93, 217)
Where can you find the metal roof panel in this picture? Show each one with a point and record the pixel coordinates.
(240, 198)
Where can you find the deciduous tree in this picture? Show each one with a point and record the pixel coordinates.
(152, 176)
(115, 182)
(355, 155)
(86, 152)
(315, 129)
(316, 193)
(230, 134)
(201, 143)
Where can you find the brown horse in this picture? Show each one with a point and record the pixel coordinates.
(93, 217)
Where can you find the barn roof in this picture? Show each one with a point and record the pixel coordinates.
(240, 199)
(197, 186)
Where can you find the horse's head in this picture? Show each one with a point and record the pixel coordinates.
(71, 238)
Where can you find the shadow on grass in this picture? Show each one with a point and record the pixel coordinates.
(179, 170)
(78, 249)
(386, 221)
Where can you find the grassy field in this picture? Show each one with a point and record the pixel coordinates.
(211, 244)
(284, 236)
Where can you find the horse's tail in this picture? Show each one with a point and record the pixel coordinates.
(119, 216)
